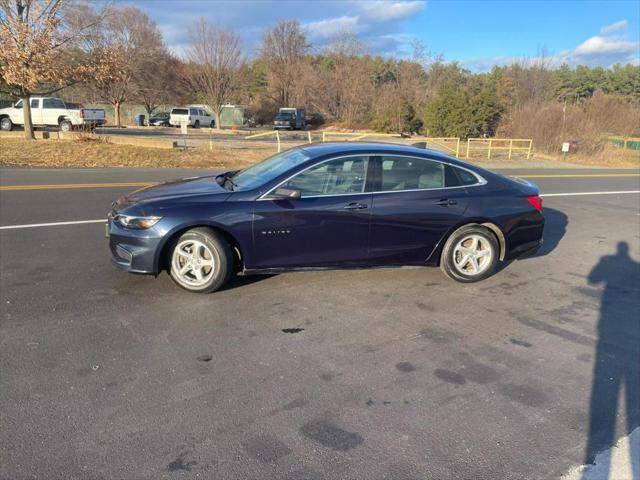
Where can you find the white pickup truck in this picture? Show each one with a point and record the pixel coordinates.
(50, 111)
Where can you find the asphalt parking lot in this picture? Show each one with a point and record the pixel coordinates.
(389, 373)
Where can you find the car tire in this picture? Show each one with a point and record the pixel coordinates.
(197, 124)
(6, 124)
(212, 124)
(470, 254)
(209, 268)
(65, 126)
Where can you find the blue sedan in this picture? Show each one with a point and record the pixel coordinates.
(328, 206)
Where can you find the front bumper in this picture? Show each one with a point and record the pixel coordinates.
(135, 251)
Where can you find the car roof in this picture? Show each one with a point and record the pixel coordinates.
(329, 148)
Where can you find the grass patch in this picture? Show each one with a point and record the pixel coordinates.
(15, 152)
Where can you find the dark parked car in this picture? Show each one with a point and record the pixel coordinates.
(159, 120)
(328, 206)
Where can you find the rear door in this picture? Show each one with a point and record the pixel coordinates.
(328, 226)
(52, 109)
(193, 116)
(415, 202)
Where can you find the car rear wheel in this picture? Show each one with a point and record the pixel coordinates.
(201, 261)
(470, 254)
(65, 126)
(6, 124)
(197, 124)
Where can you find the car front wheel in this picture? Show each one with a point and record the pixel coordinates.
(201, 261)
(470, 254)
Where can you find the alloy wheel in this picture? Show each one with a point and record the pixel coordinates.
(472, 255)
(193, 263)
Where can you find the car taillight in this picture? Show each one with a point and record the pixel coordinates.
(536, 202)
(81, 113)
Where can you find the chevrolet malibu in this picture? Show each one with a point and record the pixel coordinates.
(328, 206)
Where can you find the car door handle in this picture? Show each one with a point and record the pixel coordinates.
(445, 202)
(355, 206)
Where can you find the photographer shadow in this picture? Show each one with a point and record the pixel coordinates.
(617, 363)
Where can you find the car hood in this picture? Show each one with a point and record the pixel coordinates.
(183, 188)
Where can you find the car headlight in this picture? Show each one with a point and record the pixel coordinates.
(140, 223)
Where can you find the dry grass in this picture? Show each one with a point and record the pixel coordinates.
(590, 122)
(610, 156)
(16, 152)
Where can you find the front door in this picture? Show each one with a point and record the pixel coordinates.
(327, 227)
(36, 112)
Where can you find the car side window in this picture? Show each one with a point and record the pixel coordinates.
(52, 103)
(341, 176)
(35, 102)
(404, 173)
(466, 178)
(193, 111)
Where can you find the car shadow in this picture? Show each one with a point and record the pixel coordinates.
(555, 227)
(238, 281)
(617, 358)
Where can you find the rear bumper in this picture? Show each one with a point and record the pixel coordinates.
(524, 238)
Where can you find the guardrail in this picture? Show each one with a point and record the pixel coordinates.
(449, 144)
(276, 133)
(630, 142)
(499, 144)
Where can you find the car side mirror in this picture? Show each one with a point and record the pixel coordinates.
(285, 194)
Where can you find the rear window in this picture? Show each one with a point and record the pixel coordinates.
(180, 111)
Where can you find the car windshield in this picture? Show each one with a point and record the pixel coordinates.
(284, 116)
(270, 168)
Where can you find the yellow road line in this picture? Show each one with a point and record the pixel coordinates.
(580, 175)
(55, 186)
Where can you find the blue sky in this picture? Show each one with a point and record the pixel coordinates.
(475, 33)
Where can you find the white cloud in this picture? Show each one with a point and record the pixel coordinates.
(604, 46)
(384, 11)
(331, 27)
(614, 27)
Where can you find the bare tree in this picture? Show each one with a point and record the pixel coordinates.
(345, 89)
(126, 42)
(36, 57)
(213, 58)
(156, 82)
(283, 50)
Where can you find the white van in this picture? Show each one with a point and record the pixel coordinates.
(195, 115)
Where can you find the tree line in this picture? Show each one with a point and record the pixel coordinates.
(117, 55)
